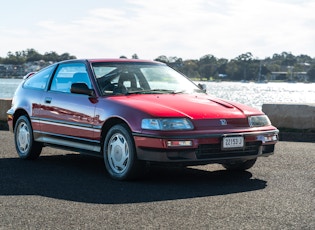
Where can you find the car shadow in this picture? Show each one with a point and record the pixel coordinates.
(84, 179)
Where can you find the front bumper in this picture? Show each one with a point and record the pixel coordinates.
(205, 148)
(10, 119)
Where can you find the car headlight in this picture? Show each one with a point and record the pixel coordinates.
(258, 121)
(166, 124)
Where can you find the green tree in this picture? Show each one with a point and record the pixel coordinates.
(51, 57)
(32, 55)
(162, 58)
(222, 66)
(244, 60)
(207, 66)
(311, 73)
(14, 59)
(135, 56)
(65, 56)
(190, 68)
(232, 70)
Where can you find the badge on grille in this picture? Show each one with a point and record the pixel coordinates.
(223, 122)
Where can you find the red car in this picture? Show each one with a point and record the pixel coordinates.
(131, 112)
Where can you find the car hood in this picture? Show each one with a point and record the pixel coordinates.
(194, 106)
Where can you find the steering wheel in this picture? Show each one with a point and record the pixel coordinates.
(114, 88)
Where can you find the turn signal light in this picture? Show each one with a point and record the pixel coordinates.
(179, 143)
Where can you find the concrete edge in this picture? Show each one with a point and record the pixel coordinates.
(5, 105)
(297, 136)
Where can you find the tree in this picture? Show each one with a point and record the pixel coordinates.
(207, 66)
(244, 60)
(190, 68)
(135, 56)
(51, 56)
(288, 59)
(311, 73)
(222, 66)
(14, 59)
(32, 55)
(66, 56)
(232, 69)
(176, 63)
(162, 58)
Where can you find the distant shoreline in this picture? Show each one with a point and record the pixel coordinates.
(21, 78)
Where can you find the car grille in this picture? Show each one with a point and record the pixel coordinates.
(212, 151)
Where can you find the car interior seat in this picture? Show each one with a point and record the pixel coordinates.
(81, 78)
(128, 80)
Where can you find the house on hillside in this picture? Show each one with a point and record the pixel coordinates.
(289, 76)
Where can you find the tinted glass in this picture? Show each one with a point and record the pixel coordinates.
(39, 80)
(67, 74)
(144, 78)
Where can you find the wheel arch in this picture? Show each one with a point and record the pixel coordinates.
(18, 113)
(110, 123)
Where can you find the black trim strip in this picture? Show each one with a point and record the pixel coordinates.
(78, 139)
(197, 136)
(67, 141)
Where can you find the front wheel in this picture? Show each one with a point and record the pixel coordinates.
(25, 145)
(239, 165)
(120, 155)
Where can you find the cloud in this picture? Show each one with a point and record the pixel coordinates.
(187, 29)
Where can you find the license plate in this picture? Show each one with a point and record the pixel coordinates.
(232, 142)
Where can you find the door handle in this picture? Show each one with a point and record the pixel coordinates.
(48, 100)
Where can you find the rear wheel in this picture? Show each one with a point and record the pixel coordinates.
(25, 145)
(239, 165)
(120, 155)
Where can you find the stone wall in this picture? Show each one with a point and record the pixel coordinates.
(291, 116)
(5, 105)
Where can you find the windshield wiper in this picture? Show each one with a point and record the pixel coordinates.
(155, 91)
(178, 92)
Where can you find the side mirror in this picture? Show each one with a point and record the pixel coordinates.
(81, 88)
(203, 87)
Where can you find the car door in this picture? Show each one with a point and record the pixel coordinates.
(67, 117)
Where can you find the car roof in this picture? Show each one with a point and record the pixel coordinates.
(117, 60)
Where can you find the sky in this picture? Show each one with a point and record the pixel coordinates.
(187, 29)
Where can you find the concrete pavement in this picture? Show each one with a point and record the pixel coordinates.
(63, 190)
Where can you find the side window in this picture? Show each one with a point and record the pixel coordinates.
(39, 80)
(67, 74)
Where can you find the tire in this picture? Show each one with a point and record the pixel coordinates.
(25, 145)
(239, 165)
(120, 155)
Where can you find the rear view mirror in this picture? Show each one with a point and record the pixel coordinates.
(203, 87)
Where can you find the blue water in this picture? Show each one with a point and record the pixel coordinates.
(8, 86)
(256, 95)
(251, 94)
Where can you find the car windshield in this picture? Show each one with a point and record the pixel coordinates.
(140, 78)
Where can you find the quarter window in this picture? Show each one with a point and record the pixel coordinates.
(39, 80)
